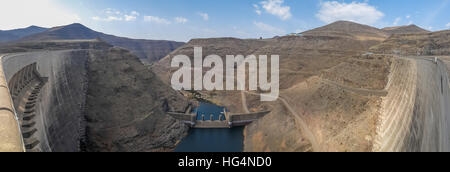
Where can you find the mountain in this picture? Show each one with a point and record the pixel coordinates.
(349, 29)
(404, 30)
(147, 50)
(424, 43)
(11, 35)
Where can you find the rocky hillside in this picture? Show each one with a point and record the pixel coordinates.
(325, 84)
(126, 105)
(351, 29)
(404, 30)
(148, 50)
(435, 43)
(306, 55)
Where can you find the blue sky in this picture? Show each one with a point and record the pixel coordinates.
(183, 20)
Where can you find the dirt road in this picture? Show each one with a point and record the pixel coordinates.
(303, 126)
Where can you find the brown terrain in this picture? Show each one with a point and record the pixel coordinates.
(126, 106)
(332, 89)
(435, 43)
(405, 30)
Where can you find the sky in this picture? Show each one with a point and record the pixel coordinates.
(182, 20)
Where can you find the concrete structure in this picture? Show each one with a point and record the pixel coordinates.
(231, 120)
(42, 96)
(415, 113)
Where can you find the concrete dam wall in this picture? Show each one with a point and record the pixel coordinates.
(97, 99)
(415, 113)
(48, 89)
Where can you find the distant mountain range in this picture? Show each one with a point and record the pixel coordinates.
(148, 50)
(153, 50)
(346, 28)
(11, 35)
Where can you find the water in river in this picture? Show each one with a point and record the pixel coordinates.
(212, 140)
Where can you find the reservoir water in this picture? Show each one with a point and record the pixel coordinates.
(212, 140)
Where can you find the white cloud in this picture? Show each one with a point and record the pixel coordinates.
(158, 20)
(134, 13)
(116, 15)
(130, 18)
(96, 18)
(359, 12)
(23, 13)
(112, 11)
(205, 16)
(397, 20)
(447, 25)
(181, 20)
(257, 9)
(268, 28)
(275, 7)
(408, 16)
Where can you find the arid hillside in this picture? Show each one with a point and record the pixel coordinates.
(404, 29)
(435, 43)
(126, 106)
(349, 29)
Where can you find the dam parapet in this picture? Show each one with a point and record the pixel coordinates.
(10, 134)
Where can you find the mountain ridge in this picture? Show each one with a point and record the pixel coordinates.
(15, 34)
(405, 29)
(147, 50)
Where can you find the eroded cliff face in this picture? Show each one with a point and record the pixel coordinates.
(126, 105)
